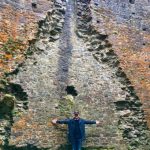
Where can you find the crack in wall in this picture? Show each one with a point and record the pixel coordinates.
(65, 52)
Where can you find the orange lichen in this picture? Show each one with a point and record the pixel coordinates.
(3, 37)
(8, 56)
(11, 52)
(1, 142)
(14, 36)
(49, 124)
(21, 124)
(135, 65)
(134, 56)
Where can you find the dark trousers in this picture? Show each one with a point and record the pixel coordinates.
(76, 144)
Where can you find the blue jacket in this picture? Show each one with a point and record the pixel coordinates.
(71, 126)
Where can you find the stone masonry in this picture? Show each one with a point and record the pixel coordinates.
(69, 51)
(45, 81)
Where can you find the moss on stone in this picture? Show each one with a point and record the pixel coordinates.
(2, 87)
(3, 81)
(66, 106)
(7, 103)
(3, 84)
(11, 45)
(9, 100)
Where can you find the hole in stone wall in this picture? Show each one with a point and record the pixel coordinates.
(144, 29)
(14, 72)
(41, 23)
(96, 4)
(102, 37)
(17, 90)
(132, 1)
(122, 105)
(71, 90)
(144, 44)
(34, 5)
(79, 13)
(102, 55)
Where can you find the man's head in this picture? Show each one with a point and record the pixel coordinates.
(76, 114)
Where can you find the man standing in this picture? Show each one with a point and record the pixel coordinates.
(76, 128)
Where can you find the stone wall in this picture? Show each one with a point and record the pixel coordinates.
(19, 18)
(128, 104)
(18, 26)
(82, 45)
(127, 24)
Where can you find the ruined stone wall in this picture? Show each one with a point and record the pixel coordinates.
(90, 46)
(19, 18)
(18, 26)
(127, 24)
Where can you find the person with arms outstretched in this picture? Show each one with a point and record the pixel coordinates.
(76, 129)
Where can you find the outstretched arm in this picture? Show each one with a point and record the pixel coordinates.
(55, 121)
(91, 122)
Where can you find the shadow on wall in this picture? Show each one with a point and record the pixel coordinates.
(65, 147)
(31, 147)
(28, 147)
(62, 147)
(65, 50)
(71, 91)
(68, 147)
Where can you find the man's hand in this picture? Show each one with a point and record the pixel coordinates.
(54, 121)
(97, 122)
